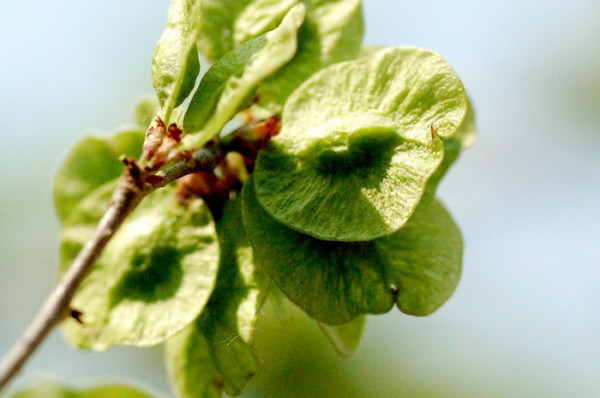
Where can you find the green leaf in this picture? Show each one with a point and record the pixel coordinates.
(175, 64)
(424, 260)
(359, 141)
(332, 281)
(259, 17)
(93, 162)
(227, 86)
(57, 390)
(332, 33)
(217, 18)
(226, 24)
(417, 267)
(214, 353)
(344, 338)
(154, 277)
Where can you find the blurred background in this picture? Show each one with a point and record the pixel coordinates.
(525, 320)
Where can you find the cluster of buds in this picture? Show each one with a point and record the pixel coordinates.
(214, 187)
(161, 145)
(239, 150)
(250, 138)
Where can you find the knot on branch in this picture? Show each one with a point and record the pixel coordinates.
(133, 174)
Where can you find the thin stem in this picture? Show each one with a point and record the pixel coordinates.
(128, 194)
(124, 200)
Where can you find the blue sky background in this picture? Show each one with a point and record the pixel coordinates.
(525, 320)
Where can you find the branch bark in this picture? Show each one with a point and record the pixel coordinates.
(132, 188)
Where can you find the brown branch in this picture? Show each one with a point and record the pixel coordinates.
(133, 186)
